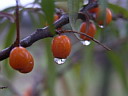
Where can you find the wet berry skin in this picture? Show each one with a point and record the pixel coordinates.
(94, 10)
(91, 30)
(108, 17)
(61, 46)
(20, 59)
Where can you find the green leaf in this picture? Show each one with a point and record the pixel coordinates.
(49, 8)
(118, 10)
(3, 25)
(119, 67)
(33, 19)
(10, 36)
(103, 5)
(8, 41)
(73, 6)
(62, 5)
(51, 69)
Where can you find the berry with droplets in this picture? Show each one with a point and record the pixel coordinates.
(61, 46)
(90, 31)
(108, 17)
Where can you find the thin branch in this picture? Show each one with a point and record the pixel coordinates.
(3, 87)
(91, 1)
(96, 41)
(113, 44)
(44, 32)
(17, 25)
(119, 16)
(8, 16)
(35, 36)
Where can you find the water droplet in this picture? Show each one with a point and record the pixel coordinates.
(59, 61)
(101, 26)
(86, 42)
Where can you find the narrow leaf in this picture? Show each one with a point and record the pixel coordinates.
(119, 67)
(49, 8)
(118, 10)
(73, 6)
(51, 70)
(8, 41)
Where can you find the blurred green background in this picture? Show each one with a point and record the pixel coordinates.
(89, 70)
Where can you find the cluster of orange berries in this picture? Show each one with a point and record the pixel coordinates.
(61, 45)
(20, 59)
(91, 29)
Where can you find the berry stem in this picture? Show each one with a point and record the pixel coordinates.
(17, 42)
(96, 41)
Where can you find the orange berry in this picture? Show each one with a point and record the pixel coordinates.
(90, 32)
(108, 18)
(61, 47)
(56, 17)
(94, 10)
(20, 59)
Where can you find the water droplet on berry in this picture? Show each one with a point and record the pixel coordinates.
(101, 26)
(86, 42)
(59, 61)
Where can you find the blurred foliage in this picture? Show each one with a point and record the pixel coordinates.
(119, 10)
(88, 71)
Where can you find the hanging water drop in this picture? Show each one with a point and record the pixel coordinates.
(101, 26)
(86, 42)
(59, 61)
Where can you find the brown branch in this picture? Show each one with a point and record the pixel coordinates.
(96, 41)
(8, 16)
(43, 32)
(3, 87)
(35, 36)
(112, 45)
(17, 25)
(117, 16)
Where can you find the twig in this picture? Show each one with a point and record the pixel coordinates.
(44, 32)
(113, 44)
(9, 86)
(17, 25)
(8, 16)
(3, 87)
(35, 36)
(96, 41)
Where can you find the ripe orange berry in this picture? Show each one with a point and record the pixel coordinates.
(94, 10)
(61, 47)
(20, 59)
(108, 18)
(91, 30)
(56, 17)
